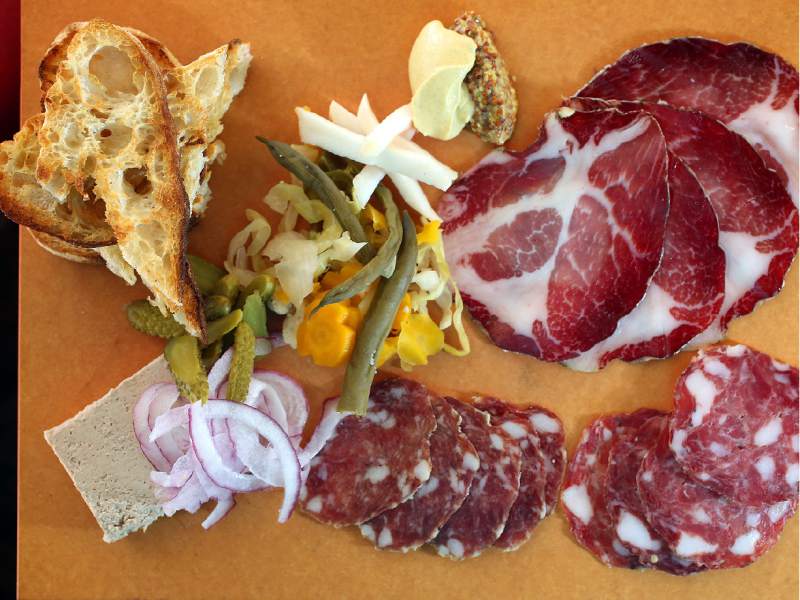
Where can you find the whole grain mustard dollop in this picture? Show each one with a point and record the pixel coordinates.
(440, 60)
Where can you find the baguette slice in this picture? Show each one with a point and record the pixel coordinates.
(107, 130)
(99, 451)
(79, 218)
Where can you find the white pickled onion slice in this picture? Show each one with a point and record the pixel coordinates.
(319, 131)
(377, 140)
(365, 183)
(324, 431)
(219, 372)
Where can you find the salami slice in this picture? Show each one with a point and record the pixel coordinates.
(735, 425)
(700, 525)
(481, 519)
(551, 439)
(553, 245)
(373, 463)
(530, 507)
(625, 505)
(418, 519)
(584, 497)
(752, 91)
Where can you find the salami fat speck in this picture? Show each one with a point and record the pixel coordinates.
(418, 519)
(481, 519)
(699, 524)
(530, 506)
(735, 425)
(375, 462)
(584, 496)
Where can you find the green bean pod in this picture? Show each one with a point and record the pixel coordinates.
(331, 196)
(377, 324)
(205, 274)
(358, 283)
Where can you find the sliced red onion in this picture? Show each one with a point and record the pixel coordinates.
(179, 474)
(141, 429)
(208, 455)
(291, 395)
(260, 461)
(263, 347)
(172, 446)
(324, 431)
(219, 373)
(223, 507)
(170, 420)
(270, 431)
(190, 497)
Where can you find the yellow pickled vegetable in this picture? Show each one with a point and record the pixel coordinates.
(374, 218)
(326, 337)
(403, 313)
(388, 350)
(334, 278)
(429, 235)
(419, 338)
(280, 295)
(354, 317)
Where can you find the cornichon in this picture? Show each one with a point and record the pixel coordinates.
(210, 354)
(217, 306)
(217, 329)
(183, 356)
(377, 324)
(205, 274)
(148, 319)
(255, 314)
(227, 286)
(244, 351)
(370, 272)
(315, 178)
(263, 284)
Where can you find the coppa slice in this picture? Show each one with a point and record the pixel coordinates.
(625, 505)
(481, 519)
(584, 498)
(753, 92)
(676, 307)
(530, 507)
(419, 519)
(758, 227)
(553, 245)
(700, 525)
(373, 463)
(735, 425)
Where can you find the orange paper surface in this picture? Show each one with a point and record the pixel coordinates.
(75, 343)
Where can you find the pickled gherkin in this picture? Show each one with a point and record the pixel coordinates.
(183, 357)
(227, 286)
(217, 329)
(217, 307)
(148, 319)
(244, 351)
(255, 314)
(205, 274)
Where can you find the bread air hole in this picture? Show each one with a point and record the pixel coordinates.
(137, 179)
(206, 85)
(152, 236)
(114, 138)
(113, 71)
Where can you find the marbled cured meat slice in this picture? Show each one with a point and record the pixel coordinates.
(686, 292)
(584, 497)
(481, 519)
(551, 441)
(700, 525)
(419, 519)
(758, 226)
(625, 505)
(373, 463)
(735, 425)
(553, 245)
(755, 93)
(530, 507)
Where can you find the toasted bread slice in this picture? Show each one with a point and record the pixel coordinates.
(199, 94)
(66, 250)
(78, 219)
(107, 130)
